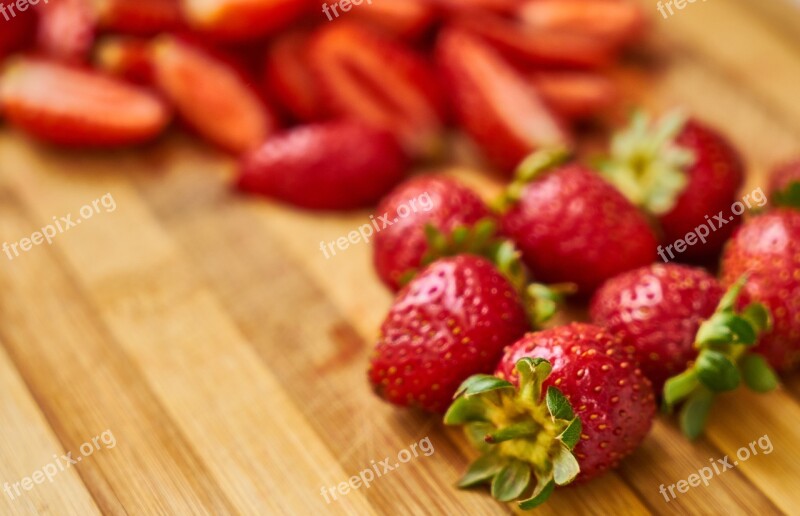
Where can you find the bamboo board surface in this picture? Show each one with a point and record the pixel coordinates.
(227, 356)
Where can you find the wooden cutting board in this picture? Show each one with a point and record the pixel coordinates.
(224, 355)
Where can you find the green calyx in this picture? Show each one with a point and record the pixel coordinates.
(526, 437)
(646, 164)
(789, 197)
(724, 361)
(531, 168)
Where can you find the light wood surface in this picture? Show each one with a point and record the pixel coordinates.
(227, 356)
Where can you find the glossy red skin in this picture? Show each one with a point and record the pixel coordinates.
(401, 18)
(783, 176)
(401, 247)
(658, 310)
(332, 166)
(714, 183)
(482, 86)
(452, 321)
(66, 30)
(18, 32)
(233, 21)
(572, 226)
(768, 248)
(139, 17)
(602, 381)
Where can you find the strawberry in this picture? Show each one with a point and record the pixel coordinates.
(139, 17)
(401, 18)
(211, 95)
(493, 102)
(571, 225)
(496, 6)
(565, 404)
(657, 310)
(332, 166)
(18, 31)
(685, 174)
(288, 77)
(447, 205)
(767, 248)
(240, 20)
(575, 95)
(450, 322)
(86, 108)
(125, 57)
(784, 185)
(367, 76)
(66, 29)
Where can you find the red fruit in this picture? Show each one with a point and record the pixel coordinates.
(623, 21)
(289, 78)
(403, 18)
(331, 166)
(575, 95)
(18, 31)
(767, 247)
(72, 106)
(546, 48)
(498, 6)
(657, 310)
(572, 226)
(440, 202)
(238, 20)
(377, 80)
(784, 185)
(450, 322)
(211, 95)
(493, 103)
(125, 57)
(139, 17)
(684, 173)
(604, 384)
(66, 29)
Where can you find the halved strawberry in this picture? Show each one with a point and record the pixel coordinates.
(212, 96)
(493, 102)
(622, 21)
(550, 48)
(575, 95)
(126, 57)
(379, 81)
(66, 29)
(288, 77)
(72, 106)
(139, 17)
(237, 20)
(499, 6)
(18, 31)
(404, 18)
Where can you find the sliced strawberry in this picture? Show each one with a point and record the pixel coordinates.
(66, 29)
(551, 48)
(575, 95)
(211, 95)
(332, 166)
(288, 77)
(379, 81)
(500, 6)
(139, 17)
(494, 103)
(71, 106)
(404, 18)
(126, 57)
(622, 21)
(237, 20)
(18, 32)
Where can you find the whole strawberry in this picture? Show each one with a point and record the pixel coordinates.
(452, 321)
(657, 310)
(331, 166)
(597, 408)
(784, 185)
(442, 203)
(767, 249)
(572, 226)
(684, 173)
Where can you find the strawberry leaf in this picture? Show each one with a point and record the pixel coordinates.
(717, 372)
(482, 471)
(694, 413)
(565, 466)
(572, 434)
(480, 383)
(558, 404)
(540, 495)
(758, 375)
(511, 481)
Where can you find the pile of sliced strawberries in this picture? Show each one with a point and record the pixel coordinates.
(513, 75)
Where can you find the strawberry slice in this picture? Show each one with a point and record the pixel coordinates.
(499, 6)
(623, 21)
(17, 32)
(237, 20)
(381, 82)
(550, 48)
(138, 17)
(575, 95)
(402, 18)
(126, 57)
(71, 106)
(66, 29)
(497, 106)
(211, 95)
(289, 79)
